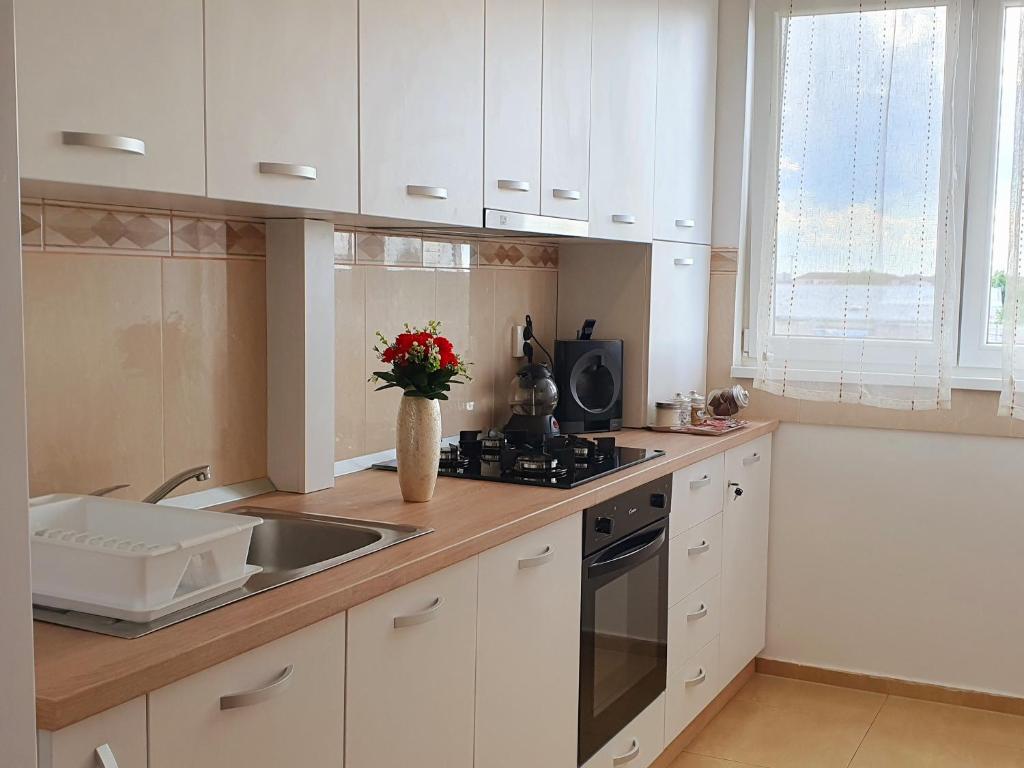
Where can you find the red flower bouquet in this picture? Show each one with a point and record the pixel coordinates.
(423, 363)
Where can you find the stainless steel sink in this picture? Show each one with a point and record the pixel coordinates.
(287, 546)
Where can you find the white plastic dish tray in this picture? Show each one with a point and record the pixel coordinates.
(133, 561)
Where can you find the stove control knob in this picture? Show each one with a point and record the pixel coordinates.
(604, 525)
(658, 500)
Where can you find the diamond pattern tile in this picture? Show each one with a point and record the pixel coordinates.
(31, 224)
(68, 227)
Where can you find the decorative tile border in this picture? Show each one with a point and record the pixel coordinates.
(404, 250)
(216, 237)
(77, 228)
(502, 254)
(32, 225)
(392, 250)
(724, 260)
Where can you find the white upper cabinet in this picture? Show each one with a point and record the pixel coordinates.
(282, 102)
(623, 106)
(512, 99)
(687, 62)
(421, 116)
(110, 93)
(565, 116)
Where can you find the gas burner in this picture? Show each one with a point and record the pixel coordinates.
(451, 458)
(491, 443)
(538, 465)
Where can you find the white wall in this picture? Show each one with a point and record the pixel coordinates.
(899, 554)
(17, 697)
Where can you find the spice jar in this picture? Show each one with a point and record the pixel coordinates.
(684, 408)
(698, 414)
(666, 414)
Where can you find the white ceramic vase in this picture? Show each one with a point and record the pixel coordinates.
(418, 443)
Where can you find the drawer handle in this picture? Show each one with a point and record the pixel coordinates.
(748, 460)
(289, 169)
(686, 223)
(704, 546)
(104, 141)
(700, 678)
(514, 186)
(696, 485)
(532, 562)
(624, 218)
(687, 262)
(105, 757)
(630, 756)
(700, 613)
(417, 190)
(566, 194)
(420, 617)
(257, 695)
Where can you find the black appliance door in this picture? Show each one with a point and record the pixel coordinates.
(593, 385)
(623, 634)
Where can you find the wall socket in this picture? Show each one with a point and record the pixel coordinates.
(518, 340)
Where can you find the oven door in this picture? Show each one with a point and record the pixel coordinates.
(623, 634)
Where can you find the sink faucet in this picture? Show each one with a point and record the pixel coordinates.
(195, 473)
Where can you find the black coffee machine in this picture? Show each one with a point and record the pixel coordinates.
(533, 393)
(588, 373)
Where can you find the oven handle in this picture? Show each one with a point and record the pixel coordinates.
(621, 562)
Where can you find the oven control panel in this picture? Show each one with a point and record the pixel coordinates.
(622, 515)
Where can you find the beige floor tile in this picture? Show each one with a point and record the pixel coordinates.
(786, 693)
(893, 748)
(913, 718)
(688, 760)
(793, 737)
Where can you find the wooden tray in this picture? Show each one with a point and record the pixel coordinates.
(704, 429)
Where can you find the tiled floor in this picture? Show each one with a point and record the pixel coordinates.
(776, 722)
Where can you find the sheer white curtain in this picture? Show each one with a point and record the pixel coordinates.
(859, 258)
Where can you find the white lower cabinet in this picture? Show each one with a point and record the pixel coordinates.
(694, 557)
(698, 493)
(693, 622)
(638, 744)
(690, 688)
(277, 705)
(411, 674)
(528, 639)
(117, 736)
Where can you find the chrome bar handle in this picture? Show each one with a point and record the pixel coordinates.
(566, 194)
(685, 262)
(514, 186)
(257, 695)
(700, 678)
(418, 190)
(104, 141)
(105, 757)
(700, 613)
(532, 562)
(748, 460)
(109, 489)
(704, 546)
(630, 756)
(289, 169)
(420, 617)
(698, 484)
(686, 223)
(624, 218)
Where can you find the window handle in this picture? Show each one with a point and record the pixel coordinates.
(629, 756)
(105, 757)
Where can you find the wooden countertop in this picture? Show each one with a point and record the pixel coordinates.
(79, 673)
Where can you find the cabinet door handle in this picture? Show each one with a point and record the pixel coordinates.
(631, 755)
(532, 562)
(700, 613)
(624, 218)
(566, 194)
(514, 186)
(686, 223)
(704, 546)
(104, 141)
(700, 678)
(748, 460)
(417, 190)
(257, 695)
(685, 262)
(105, 757)
(420, 617)
(289, 169)
(696, 485)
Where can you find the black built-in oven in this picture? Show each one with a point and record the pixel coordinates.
(624, 616)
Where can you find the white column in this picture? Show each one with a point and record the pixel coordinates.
(300, 354)
(17, 700)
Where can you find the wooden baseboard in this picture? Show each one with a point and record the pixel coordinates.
(682, 741)
(893, 685)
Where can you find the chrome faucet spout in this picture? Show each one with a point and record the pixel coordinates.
(198, 474)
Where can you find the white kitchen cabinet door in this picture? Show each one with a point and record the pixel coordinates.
(685, 149)
(117, 735)
(622, 119)
(698, 493)
(693, 622)
(690, 688)
(694, 558)
(421, 115)
(528, 641)
(638, 744)
(411, 662)
(282, 102)
(565, 148)
(110, 93)
(278, 705)
(745, 554)
(513, 51)
(677, 341)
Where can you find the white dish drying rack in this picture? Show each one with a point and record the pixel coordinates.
(133, 561)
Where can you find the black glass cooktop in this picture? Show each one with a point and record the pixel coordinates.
(563, 461)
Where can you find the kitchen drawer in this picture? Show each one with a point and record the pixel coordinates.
(644, 738)
(692, 623)
(694, 558)
(691, 688)
(117, 734)
(280, 704)
(698, 493)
